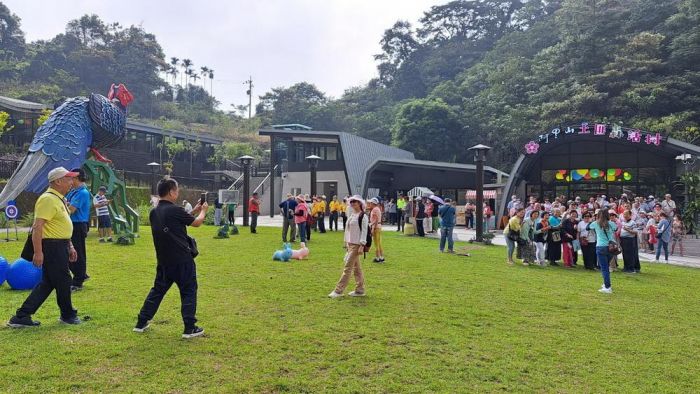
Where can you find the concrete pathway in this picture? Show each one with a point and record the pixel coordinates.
(463, 235)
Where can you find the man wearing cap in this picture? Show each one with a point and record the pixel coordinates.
(53, 251)
(79, 200)
(287, 208)
(104, 221)
(320, 208)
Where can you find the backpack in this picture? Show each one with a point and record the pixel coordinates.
(368, 241)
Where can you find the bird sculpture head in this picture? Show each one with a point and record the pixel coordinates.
(120, 95)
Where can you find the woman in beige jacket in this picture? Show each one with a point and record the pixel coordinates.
(355, 240)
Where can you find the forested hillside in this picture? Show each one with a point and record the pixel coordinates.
(470, 71)
(500, 72)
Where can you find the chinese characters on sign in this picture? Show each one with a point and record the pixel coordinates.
(597, 129)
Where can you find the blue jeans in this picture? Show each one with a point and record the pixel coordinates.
(662, 244)
(446, 234)
(604, 264)
(302, 231)
(510, 244)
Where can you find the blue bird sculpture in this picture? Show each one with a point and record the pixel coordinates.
(79, 125)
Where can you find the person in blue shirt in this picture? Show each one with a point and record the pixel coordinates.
(447, 214)
(605, 233)
(664, 235)
(79, 205)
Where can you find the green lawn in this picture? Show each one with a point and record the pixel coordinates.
(430, 323)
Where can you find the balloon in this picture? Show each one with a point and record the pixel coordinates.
(595, 173)
(583, 172)
(627, 176)
(611, 178)
(559, 176)
(618, 171)
(568, 179)
(587, 176)
(576, 176)
(611, 171)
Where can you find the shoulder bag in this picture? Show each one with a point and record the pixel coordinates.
(28, 249)
(191, 246)
(613, 247)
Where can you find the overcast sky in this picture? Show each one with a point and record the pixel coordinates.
(278, 42)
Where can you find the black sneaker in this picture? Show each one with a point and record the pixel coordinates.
(16, 322)
(141, 326)
(193, 332)
(73, 289)
(75, 320)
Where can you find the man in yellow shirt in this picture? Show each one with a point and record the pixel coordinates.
(336, 208)
(320, 213)
(53, 251)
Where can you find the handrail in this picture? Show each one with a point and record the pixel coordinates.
(265, 179)
(233, 185)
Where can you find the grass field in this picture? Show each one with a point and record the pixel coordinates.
(431, 323)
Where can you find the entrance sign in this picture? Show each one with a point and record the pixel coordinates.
(602, 130)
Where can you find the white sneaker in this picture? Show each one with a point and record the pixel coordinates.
(656, 261)
(606, 291)
(356, 294)
(334, 295)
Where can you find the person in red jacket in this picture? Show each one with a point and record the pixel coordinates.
(254, 210)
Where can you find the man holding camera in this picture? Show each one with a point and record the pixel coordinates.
(288, 206)
(175, 253)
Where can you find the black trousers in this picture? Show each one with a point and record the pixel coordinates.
(254, 222)
(231, 217)
(55, 275)
(345, 219)
(184, 275)
(419, 227)
(630, 253)
(590, 261)
(399, 219)
(333, 220)
(320, 220)
(79, 268)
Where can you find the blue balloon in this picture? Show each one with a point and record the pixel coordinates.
(23, 275)
(3, 269)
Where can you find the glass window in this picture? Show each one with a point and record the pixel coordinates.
(299, 152)
(331, 153)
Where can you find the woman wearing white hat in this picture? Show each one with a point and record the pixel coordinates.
(355, 241)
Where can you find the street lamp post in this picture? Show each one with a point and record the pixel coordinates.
(313, 166)
(153, 166)
(479, 158)
(245, 162)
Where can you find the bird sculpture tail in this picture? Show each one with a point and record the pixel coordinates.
(32, 167)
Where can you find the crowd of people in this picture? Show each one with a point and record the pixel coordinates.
(554, 232)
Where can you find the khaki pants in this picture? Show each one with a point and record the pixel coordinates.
(352, 265)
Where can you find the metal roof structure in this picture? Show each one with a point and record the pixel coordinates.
(21, 105)
(149, 129)
(358, 153)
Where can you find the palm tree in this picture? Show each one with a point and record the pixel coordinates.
(211, 82)
(174, 62)
(188, 73)
(186, 64)
(195, 77)
(204, 71)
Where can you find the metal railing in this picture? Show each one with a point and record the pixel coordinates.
(237, 183)
(261, 187)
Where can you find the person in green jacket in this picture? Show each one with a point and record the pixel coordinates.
(526, 248)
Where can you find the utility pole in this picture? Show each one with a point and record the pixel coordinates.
(249, 92)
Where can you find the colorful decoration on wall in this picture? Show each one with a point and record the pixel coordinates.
(593, 174)
(596, 129)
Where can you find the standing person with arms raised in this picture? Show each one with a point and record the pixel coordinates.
(104, 221)
(254, 210)
(287, 208)
(175, 254)
(375, 228)
(355, 240)
(663, 235)
(605, 235)
(448, 214)
(53, 251)
(79, 202)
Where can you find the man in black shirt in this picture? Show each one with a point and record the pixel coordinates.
(169, 223)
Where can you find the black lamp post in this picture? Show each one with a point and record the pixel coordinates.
(153, 166)
(479, 158)
(245, 162)
(313, 166)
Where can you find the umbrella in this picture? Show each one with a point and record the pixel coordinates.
(437, 199)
